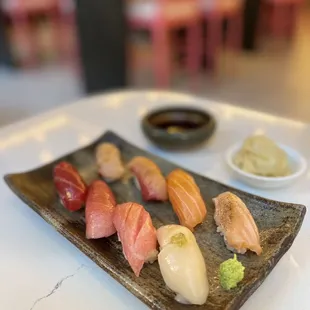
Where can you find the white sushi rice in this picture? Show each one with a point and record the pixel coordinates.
(179, 298)
(137, 184)
(152, 257)
(241, 251)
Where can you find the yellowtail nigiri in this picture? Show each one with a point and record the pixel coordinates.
(236, 223)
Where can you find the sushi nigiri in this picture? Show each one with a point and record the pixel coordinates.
(186, 200)
(109, 162)
(236, 223)
(182, 264)
(137, 234)
(99, 210)
(149, 179)
(71, 188)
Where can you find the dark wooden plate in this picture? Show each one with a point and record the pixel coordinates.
(278, 223)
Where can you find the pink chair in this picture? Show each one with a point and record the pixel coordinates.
(215, 13)
(160, 17)
(59, 12)
(280, 16)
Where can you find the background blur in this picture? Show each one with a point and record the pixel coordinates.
(253, 53)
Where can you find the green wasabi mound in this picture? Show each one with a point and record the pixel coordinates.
(231, 273)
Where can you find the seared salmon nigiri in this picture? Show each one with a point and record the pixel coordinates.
(100, 205)
(186, 200)
(109, 161)
(236, 223)
(149, 178)
(137, 234)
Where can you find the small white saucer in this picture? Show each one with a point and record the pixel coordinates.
(297, 162)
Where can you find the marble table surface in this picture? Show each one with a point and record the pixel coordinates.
(39, 269)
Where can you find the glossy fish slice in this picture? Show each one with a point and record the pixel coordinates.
(182, 264)
(100, 206)
(186, 200)
(151, 182)
(236, 223)
(137, 234)
(109, 162)
(70, 187)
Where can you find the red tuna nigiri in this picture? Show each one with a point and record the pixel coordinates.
(186, 200)
(100, 206)
(70, 186)
(137, 234)
(152, 184)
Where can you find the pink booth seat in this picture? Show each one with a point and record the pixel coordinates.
(160, 18)
(60, 14)
(215, 13)
(279, 17)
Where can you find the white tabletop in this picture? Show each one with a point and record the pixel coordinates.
(40, 269)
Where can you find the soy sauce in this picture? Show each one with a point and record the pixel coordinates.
(178, 126)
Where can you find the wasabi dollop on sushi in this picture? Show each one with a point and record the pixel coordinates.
(231, 273)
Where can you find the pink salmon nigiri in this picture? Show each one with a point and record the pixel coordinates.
(152, 183)
(100, 206)
(137, 234)
(186, 200)
(236, 223)
(109, 162)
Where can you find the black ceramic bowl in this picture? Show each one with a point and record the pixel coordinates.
(178, 128)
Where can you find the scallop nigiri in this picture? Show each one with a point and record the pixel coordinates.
(236, 223)
(137, 234)
(182, 264)
(186, 200)
(100, 206)
(109, 162)
(70, 186)
(150, 180)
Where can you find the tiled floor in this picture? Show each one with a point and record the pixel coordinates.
(273, 80)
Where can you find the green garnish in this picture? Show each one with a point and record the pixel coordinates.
(178, 239)
(231, 273)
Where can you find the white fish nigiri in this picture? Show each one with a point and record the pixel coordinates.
(182, 264)
(109, 162)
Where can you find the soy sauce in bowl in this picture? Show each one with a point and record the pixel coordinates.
(174, 127)
(178, 127)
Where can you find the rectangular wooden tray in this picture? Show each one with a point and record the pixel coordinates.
(278, 223)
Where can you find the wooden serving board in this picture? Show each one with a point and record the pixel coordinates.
(278, 223)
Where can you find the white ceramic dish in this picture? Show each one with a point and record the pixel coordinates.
(297, 162)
